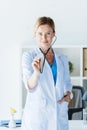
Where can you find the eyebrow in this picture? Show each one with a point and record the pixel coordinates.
(46, 32)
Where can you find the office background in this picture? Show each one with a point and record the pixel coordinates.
(17, 18)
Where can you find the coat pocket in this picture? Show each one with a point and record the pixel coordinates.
(63, 110)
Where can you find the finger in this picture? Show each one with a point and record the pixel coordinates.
(36, 60)
(67, 99)
(62, 100)
(35, 64)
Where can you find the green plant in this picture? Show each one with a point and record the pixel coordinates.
(71, 67)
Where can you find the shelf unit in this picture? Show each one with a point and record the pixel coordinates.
(75, 55)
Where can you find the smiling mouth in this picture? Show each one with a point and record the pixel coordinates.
(44, 42)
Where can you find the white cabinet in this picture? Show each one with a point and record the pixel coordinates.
(75, 54)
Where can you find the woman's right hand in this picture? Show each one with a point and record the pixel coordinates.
(36, 64)
(33, 80)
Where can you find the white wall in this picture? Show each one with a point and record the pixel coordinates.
(17, 18)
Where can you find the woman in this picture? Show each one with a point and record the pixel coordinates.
(46, 77)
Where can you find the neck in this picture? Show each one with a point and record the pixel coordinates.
(50, 57)
(46, 51)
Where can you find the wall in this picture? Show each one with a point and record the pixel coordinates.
(17, 18)
(9, 79)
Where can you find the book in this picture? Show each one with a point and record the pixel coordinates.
(6, 122)
(85, 62)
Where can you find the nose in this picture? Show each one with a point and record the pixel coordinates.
(44, 36)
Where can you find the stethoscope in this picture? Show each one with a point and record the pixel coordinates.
(44, 54)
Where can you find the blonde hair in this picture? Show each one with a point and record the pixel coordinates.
(42, 21)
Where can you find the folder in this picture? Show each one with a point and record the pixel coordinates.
(6, 122)
(85, 62)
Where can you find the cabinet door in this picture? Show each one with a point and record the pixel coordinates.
(85, 62)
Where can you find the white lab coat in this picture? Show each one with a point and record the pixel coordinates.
(42, 110)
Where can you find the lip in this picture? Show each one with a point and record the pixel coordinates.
(44, 42)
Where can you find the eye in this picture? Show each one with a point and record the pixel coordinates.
(48, 33)
(40, 34)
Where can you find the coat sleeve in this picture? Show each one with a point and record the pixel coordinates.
(27, 69)
(67, 80)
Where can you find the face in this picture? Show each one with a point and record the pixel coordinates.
(44, 36)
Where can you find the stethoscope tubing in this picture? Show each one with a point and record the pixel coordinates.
(44, 54)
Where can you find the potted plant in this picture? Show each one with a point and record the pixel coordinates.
(71, 67)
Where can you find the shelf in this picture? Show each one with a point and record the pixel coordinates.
(85, 78)
(75, 77)
(76, 81)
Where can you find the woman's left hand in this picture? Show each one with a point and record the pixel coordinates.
(66, 98)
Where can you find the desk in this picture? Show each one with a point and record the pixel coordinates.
(6, 128)
(73, 125)
(77, 125)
